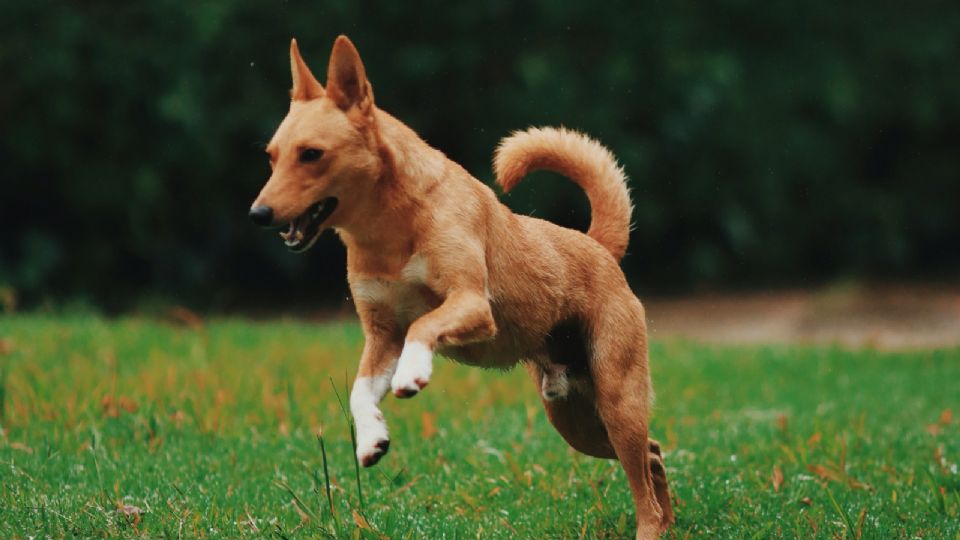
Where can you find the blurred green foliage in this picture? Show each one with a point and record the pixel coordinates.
(768, 142)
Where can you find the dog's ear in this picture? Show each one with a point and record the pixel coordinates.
(305, 85)
(347, 83)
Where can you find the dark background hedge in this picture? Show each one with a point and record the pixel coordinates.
(769, 143)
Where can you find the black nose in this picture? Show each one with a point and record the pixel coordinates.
(262, 215)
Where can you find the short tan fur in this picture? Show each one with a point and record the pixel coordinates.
(437, 264)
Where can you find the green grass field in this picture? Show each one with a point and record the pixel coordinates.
(140, 428)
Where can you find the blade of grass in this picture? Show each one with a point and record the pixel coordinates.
(353, 440)
(326, 476)
(3, 394)
(843, 515)
(296, 497)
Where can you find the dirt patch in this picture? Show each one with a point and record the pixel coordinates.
(879, 316)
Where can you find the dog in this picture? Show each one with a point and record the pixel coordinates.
(437, 265)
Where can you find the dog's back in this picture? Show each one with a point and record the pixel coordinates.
(539, 274)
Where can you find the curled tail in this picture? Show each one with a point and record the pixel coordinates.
(581, 159)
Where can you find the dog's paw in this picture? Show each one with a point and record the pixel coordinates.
(413, 370)
(372, 440)
(372, 437)
(369, 455)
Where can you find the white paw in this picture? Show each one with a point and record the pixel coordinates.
(373, 441)
(413, 370)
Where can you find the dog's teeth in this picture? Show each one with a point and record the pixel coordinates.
(319, 210)
(292, 236)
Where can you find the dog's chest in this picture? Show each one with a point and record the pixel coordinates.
(408, 294)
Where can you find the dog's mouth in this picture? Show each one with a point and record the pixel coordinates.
(306, 228)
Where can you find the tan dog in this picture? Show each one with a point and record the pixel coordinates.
(437, 264)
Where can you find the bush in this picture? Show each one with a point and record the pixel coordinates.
(767, 142)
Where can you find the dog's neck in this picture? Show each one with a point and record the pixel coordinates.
(411, 166)
(411, 170)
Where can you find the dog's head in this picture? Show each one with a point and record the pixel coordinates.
(324, 155)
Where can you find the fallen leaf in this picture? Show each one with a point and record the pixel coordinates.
(178, 417)
(509, 526)
(303, 515)
(814, 439)
(113, 405)
(109, 406)
(806, 502)
(825, 473)
(129, 510)
(428, 428)
(934, 429)
(361, 521)
(127, 404)
(777, 478)
(782, 423)
(813, 524)
(132, 513)
(860, 520)
(946, 417)
(21, 447)
(834, 473)
(941, 462)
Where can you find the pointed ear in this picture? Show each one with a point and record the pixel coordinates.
(305, 85)
(347, 83)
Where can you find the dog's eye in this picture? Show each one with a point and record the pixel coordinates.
(310, 154)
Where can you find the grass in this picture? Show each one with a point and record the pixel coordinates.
(134, 427)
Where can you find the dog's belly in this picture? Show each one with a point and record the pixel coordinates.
(489, 354)
(512, 343)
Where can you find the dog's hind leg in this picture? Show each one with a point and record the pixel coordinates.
(564, 362)
(622, 383)
(575, 417)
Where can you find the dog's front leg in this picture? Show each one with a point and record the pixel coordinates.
(464, 317)
(377, 365)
